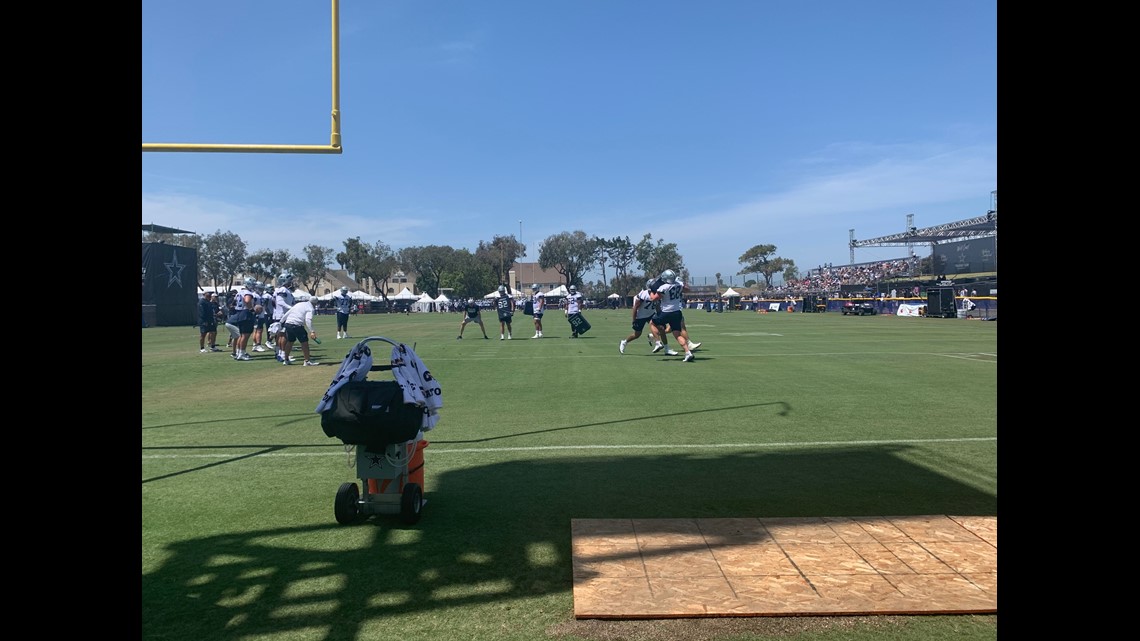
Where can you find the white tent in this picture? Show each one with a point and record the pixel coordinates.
(442, 298)
(730, 293)
(328, 296)
(300, 294)
(424, 303)
(614, 295)
(514, 294)
(558, 291)
(405, 294)
(360, 295)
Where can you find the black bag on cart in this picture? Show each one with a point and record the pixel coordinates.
(371, 413)
(578, 324)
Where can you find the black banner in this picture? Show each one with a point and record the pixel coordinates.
(966, 257)
(169, 284)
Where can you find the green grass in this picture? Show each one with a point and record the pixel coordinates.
(780, 415)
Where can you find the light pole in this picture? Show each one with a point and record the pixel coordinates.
(520, 240)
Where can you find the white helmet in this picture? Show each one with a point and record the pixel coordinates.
(285, 280)
(343, 289)
(573, 288)
(534, 287)
(649, 283)
(502, 289)
(249, 282)
(669, 276)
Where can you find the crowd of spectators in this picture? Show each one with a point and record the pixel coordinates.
(831, 279)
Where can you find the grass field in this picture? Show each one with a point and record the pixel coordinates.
(779, 415)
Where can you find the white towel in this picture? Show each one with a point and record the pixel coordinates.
(419, 386)
(356, 366)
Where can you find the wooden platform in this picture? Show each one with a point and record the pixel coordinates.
(671, 568)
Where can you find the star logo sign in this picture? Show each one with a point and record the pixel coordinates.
(174, 268)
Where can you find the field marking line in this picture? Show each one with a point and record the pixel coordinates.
(548, 448)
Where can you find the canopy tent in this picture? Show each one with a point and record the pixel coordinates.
(558, 291)
(405, 295)
(361, 295)
(300, 294)
(328, 296)
(730, 293)
(514, 294)
(442, 298)
(424, 303)
(614, 295)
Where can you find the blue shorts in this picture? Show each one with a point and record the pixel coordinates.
(538, 315)
(673, 319)
(639, 323)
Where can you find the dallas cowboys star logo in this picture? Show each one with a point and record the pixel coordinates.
(174, 268)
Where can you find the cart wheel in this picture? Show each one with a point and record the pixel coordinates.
(347, 506)
(411, 502)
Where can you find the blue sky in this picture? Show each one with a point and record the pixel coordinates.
(714, 125)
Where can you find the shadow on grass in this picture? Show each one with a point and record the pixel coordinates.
(501, 532)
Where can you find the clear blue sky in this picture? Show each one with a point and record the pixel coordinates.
(714, 125)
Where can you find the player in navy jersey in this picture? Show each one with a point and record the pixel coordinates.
(505, 305)
(471, 315)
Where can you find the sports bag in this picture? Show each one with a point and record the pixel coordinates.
(371, 413)
(528, 308)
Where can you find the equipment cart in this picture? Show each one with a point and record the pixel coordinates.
(384, 433)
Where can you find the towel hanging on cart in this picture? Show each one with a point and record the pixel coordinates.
(355, 367)
(419, 386)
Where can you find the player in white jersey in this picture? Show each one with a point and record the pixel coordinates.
(669, 295)
(243, 318)
(573, 307)
(343, 303)
(283, 301)
(539, 309)
(644, 309)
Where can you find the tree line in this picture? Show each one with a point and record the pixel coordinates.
(623, 264)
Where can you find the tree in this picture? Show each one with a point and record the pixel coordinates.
(759, 259)
(469, 276)
(379, 267)
(628, 285)
(621, 257)
(601, 256)
(568, 253)
(656, 258)
(313, 268)
(221, 257)
(355, 255)
(267, 264)
(431, 262)
(500, 254)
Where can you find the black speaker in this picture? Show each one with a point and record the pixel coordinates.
(940, 303)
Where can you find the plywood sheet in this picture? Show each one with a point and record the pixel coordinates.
(670, 568)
